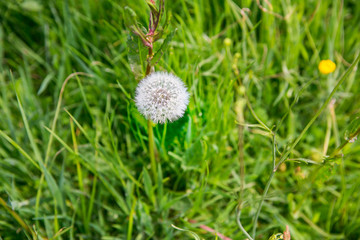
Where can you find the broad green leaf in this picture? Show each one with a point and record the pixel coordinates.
(162, 49)
(131, 22)
(136, 55)
(130, 17)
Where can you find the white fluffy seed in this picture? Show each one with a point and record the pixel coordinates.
(161, 97)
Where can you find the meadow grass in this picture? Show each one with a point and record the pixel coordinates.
(74, 160)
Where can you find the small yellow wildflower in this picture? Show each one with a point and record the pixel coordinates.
(327, 66)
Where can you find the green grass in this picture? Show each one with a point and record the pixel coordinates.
(74, 160)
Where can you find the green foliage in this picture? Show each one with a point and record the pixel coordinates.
(164, 46)
(74, 160)
(136, 56)
(353, 129)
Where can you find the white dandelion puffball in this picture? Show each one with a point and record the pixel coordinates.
(161, 96)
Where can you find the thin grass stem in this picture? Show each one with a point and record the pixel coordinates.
(287, 153)
(17, 218)
(238, 221)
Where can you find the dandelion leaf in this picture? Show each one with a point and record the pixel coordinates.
(162, 48)
(136, 55)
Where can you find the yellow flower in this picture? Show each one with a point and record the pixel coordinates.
(327, 66)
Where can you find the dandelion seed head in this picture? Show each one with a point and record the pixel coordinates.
(161, 97)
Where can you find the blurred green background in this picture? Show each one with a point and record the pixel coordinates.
(74, 162)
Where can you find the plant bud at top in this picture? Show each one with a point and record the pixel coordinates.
(227, 42)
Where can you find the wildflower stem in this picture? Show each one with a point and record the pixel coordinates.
(264, 194)
(240, 225)
(150, 128)
(297, 140)
(152, 149)
(255, 116)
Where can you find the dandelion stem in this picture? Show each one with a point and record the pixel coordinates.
(152, 149)
(150, 128)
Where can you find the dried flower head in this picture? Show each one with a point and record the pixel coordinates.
(161, 96)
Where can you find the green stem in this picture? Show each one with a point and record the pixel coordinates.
(150, 128)
(152, 149)
(240, 225)
(287, 153)
(163, 139)
(79, 173)
(265, 191)
(53, 128)
(255, 116)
